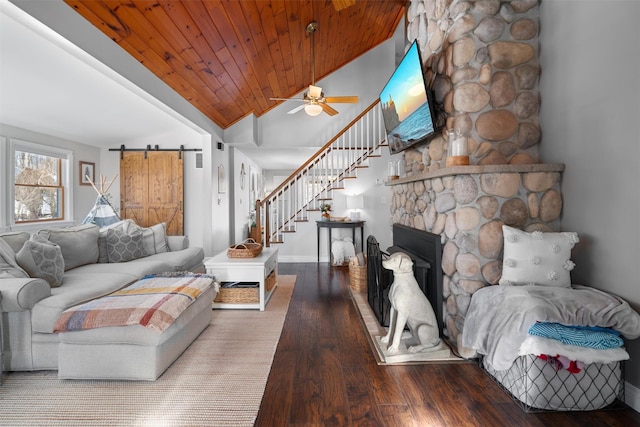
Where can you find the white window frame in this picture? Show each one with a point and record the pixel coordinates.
(66, 179)
(4, 185)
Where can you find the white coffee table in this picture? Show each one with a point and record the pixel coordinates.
(226, 269)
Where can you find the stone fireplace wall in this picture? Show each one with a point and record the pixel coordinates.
(467, 207)
(481, 59)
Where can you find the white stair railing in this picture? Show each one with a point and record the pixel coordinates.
(312, 183)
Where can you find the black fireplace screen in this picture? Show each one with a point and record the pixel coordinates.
(425, 249)
(378, 281)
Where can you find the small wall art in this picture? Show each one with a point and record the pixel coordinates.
(87, 172)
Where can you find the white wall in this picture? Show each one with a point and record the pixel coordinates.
(84, 197)
(301, 246)
(590, 121)
(243, 198)
(365, 77)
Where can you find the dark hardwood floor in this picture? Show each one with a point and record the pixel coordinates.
(324, 374)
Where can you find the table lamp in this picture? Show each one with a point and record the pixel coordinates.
(355, 202)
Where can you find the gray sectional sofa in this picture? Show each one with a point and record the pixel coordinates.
(37, 285)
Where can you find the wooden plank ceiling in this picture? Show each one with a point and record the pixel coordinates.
(229, 57)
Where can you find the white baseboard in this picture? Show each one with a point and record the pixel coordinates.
(297, 258)
(632, 396)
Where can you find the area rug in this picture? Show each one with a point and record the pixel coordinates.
(218, 381)
(374, 331)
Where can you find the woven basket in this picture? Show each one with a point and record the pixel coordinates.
(358, 275)
(238, 295)
(270, 281)
(245, 295)
(247, 249)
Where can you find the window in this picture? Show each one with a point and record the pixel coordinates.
(39, 180)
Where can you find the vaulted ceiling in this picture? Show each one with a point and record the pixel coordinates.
(229, 57)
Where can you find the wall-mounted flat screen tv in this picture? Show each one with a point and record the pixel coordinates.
(407, 104)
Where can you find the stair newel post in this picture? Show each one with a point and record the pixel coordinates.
(267, 217)
(258, 221)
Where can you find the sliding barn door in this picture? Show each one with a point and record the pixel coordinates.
(151, 189)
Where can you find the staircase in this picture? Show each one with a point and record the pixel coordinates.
(314, 182)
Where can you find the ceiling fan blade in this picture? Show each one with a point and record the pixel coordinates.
(342, 99)
(295, 110)
(327, 109)
(285, 99)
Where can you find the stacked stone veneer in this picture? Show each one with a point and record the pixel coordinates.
(468, 211)
(481, 59)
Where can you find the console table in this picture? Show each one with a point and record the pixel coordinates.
(256, 269)
(339, 224)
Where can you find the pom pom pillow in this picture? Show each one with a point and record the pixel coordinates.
(537, 258)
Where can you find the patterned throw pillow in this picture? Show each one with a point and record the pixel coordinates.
(537, 258)
(102, 239)
(43, 259)
(123, 247)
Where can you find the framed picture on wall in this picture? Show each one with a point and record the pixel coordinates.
(87, 172)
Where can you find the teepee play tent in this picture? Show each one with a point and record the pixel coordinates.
(102, 213)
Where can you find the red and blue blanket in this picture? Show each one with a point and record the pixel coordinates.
(154, 302)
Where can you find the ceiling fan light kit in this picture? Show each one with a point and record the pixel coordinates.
(313, 109)
(314, 100)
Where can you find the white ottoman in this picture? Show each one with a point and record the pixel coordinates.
(131, 352)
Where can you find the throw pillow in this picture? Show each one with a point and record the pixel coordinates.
(155, 237)
(79, 244)
(123, 247)
(9, 267)
(537, 258)
(103, 256)
(15, 239)
(43, 259)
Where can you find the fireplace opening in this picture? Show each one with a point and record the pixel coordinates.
(425, 249)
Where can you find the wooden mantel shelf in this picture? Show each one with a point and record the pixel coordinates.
(478, 169)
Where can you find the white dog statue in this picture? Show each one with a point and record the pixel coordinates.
(409, 306)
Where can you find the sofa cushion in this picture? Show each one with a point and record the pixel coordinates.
(537, 258)
(15, 239)
(123, 247)
(75, 289)
(8, 265)
(139, 268)
(189, 259)
(79, 244)
(43, 259)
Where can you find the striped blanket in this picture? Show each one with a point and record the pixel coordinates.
(154, 302)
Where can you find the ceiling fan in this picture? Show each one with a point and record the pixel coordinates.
(314, 101)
